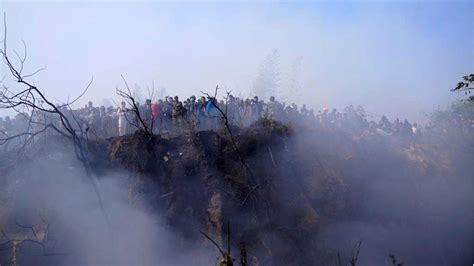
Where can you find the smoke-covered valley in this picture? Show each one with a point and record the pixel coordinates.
(312, 194)
(336, 134)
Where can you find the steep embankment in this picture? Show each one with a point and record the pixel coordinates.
(291, 195)
(265, 187)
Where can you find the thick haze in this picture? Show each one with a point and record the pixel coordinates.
(400, 59)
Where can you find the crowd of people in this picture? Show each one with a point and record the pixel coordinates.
(204, 113)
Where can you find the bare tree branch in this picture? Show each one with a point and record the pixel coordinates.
(12, 243)
(355, 254)
(32, 98)
(213, 242)
(82, 93)
(34, 73)
(135, 108)
(225, 119)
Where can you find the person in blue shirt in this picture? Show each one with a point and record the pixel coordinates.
(211, 109)
(212, 112)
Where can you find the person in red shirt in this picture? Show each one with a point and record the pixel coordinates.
(155, 110)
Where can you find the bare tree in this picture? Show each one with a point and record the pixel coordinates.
(151, 92)
(29, 235)
(226, 259)
(268, 79)
(352, 261)
(225, 119)
(134, 107)
(466, 86)
(31, 99)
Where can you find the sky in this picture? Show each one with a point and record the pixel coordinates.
(394, 58)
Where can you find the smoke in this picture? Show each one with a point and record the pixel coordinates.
(398, 59)
(428, 227)
(412, 200)
(52, 191)
(324, 189)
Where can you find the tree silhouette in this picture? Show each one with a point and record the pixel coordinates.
(268, 79)
(466, 86)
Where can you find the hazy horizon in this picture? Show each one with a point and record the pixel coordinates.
(398, 59)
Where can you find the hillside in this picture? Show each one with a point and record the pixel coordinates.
(291, 195)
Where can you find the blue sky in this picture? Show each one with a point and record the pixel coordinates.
(398, 58)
